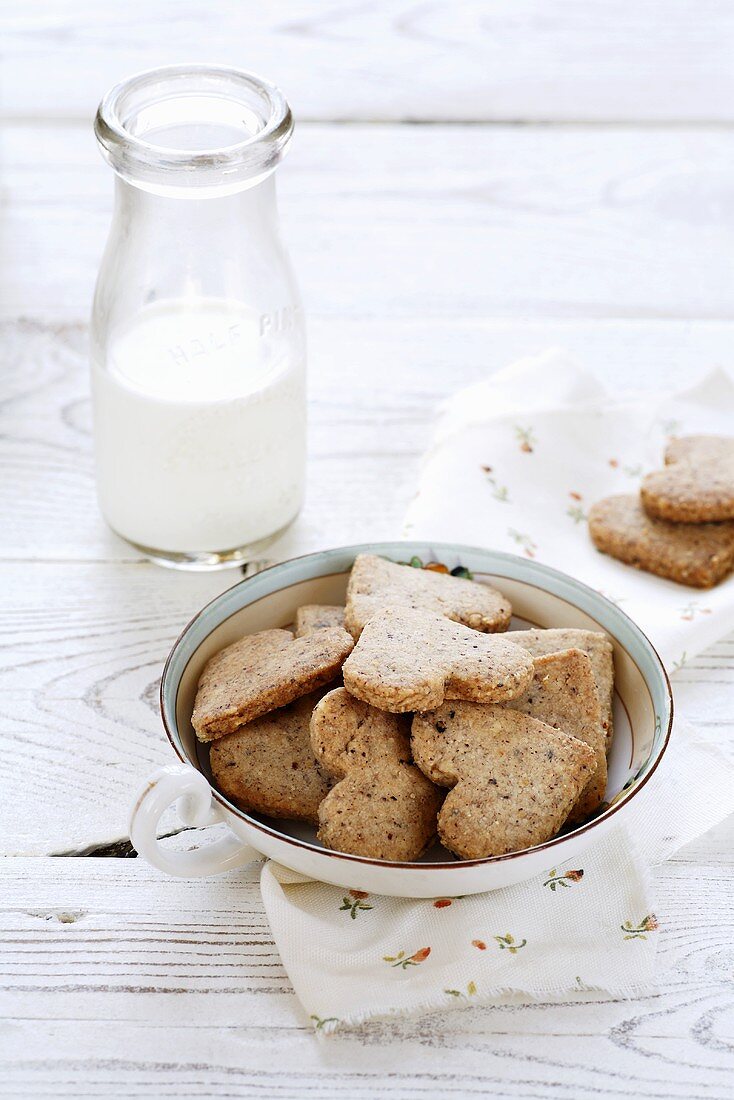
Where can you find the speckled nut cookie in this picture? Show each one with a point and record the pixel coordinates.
(381, 814)
(697, 484)
(598, 648)
(514, 779)
(345, 732)
(382, 806)
(262, 672)
(413, 660)
(269, 766)
(317, 616)
(563, 695)
(697, 554)
(375, 584)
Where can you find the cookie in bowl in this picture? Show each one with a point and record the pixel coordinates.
(382, 806)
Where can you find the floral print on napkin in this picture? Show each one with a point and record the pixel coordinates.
(352, 954)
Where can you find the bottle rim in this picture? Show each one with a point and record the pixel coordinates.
(246, 102)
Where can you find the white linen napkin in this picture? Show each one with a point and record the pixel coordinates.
(587, 925)
(517, 461)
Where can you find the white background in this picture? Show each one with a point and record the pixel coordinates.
(468, 182)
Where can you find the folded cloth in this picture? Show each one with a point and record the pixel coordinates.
(519, 458)
(589, 924)
(516, 463)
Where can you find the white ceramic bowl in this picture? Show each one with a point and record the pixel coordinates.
(540, 596)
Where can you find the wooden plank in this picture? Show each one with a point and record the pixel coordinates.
(80, 658)
(48, 493)
(390, 222)
(374, 391)
(392, 59)
(121, 982)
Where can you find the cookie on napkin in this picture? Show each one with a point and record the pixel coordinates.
(697, 484)
(269, 767)
(563, 695)
(375, 584)
(598, 648)
(382, 806)
(514, 779)
(407, 659)
(262, 672)
(696, 554)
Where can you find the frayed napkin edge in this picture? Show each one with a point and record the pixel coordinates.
(325, 1026)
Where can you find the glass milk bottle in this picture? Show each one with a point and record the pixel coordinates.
(197, 341)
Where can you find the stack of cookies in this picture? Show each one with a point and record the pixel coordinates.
(682, 524)
(411, 714)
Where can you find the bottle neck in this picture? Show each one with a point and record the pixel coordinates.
(248, 209)
(223, 247)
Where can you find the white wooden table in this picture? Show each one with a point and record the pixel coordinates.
(575, 186)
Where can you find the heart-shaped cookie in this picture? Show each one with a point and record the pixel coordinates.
(563, 695)
(514, 779)
(268, 765)
(697, 554)
(407, 659)
(697, 484)
(595, 644)
(375, 584)
(264, 671)
(316, 616)
(382, 806)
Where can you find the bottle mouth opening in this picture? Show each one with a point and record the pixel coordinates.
(188, 126)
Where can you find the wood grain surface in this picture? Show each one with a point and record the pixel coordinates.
(438, 232)
(154, 986)
(479, 60)
(429, 222)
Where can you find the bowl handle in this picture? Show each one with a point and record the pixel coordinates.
(185, 785)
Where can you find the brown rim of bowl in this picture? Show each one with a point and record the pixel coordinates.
(456, 863)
